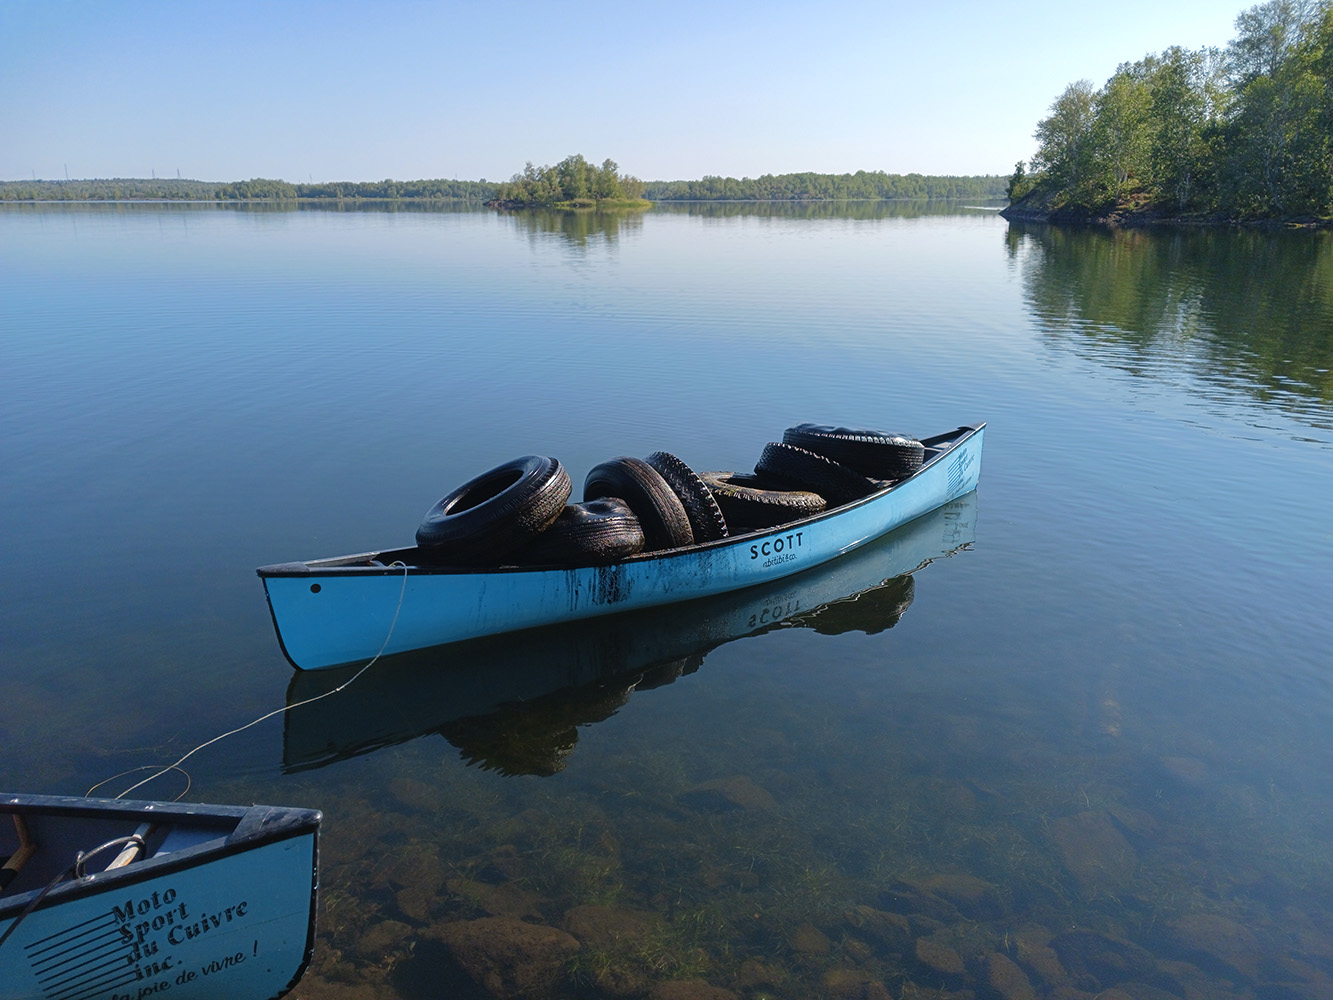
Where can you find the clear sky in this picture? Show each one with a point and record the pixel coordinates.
(356, 90)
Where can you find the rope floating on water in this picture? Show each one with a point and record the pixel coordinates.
(277, 711)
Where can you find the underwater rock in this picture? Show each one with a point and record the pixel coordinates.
(503, 900)
(907, 899)
(1007, 979)
(754, 974)
(507, 958)
(417, 868)
(382, 937)
(608, 926)
(857, 950)
(1095, 961)
(416, 903)
(852, 984)
(892, 931)
(1094, 851)
(940, 957)
(721, 794)
(505, 862)
(1187, 770)
(1216, 940)
(419, 877)
(810, 940)
(911, 991)
(1135, 822)
(313, 987)
(974, 898)
(689, 989)
(1035, 952)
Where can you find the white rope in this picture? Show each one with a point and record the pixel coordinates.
(286, 708)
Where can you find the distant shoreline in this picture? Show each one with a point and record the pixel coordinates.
(804, 187)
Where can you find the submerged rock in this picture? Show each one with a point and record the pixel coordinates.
(852, 984)
(1007, 979)
(1036, 954)
(609, 926)
(892, 931)
(689, 989)
(1094, 851)
(382, 937)
(974, 898)
(1216, 940)
(1096, 961)
(810, 940)
(502, 900)
(940, 957)
(738, 792)
(754, 974)
(508, 958)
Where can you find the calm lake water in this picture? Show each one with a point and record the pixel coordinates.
(1085, 750)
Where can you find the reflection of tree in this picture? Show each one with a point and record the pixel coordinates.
(1250, 310)
(576, 227)
(855, 210)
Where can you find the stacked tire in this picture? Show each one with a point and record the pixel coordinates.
(519, 512)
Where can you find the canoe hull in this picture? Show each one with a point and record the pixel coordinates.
(338, 611)
(216, 915)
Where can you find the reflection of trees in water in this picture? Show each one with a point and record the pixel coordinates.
(854, 210)
(575, 226)
(1250, 310)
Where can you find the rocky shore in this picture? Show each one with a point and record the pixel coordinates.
(1038, 206)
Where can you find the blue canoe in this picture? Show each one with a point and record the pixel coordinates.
(513, 702)
(329, 612)
(200, 902)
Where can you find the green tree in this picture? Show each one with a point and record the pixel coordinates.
(1268, 35)
(1065, 141)
(1019, 184)
(1123, 131)
(1278, 132)
(1178, 152)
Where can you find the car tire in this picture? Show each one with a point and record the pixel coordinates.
(874, 454)
(805, 470)
(592, 533)
(707, 521)
(495, 513)
(660, 512)
(749, 503)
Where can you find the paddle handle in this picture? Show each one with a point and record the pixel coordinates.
(15, 862)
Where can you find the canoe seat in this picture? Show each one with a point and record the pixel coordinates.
(13, 864)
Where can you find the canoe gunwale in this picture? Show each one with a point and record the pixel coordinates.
(360, 564)
(255, 826)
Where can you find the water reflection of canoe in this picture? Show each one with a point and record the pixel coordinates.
(208, 902)
(513, 702)
(333, 611)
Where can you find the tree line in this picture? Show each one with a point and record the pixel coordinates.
(862, 185)
(1244, 132)
(572, 180)
(255, 189)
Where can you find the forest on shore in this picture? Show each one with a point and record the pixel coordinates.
(1243, 133)
(566, 182)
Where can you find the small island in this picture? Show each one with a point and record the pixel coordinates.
(573, 183)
